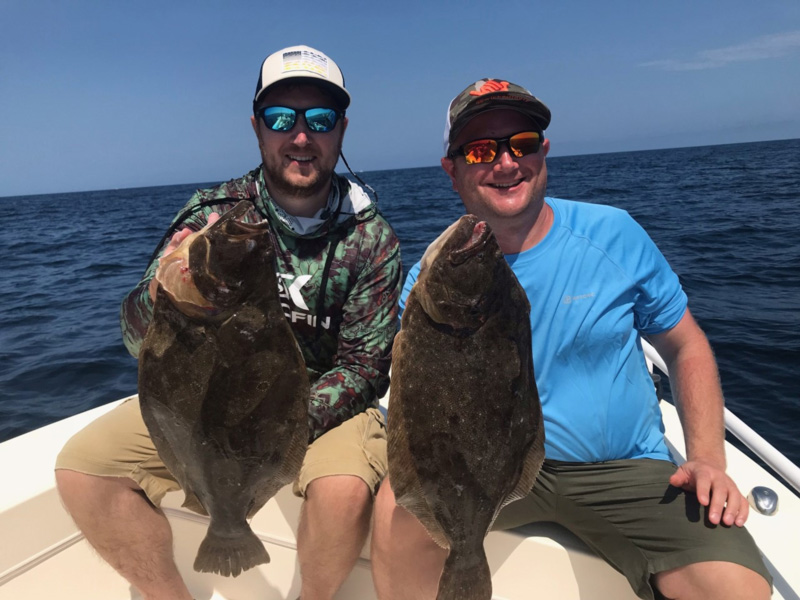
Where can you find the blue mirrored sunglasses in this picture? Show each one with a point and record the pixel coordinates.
(283, 118)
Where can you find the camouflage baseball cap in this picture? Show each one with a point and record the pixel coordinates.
(489, 94)
(303, 63)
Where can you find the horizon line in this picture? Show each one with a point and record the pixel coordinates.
(345, 173)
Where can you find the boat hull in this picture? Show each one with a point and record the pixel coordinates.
(45, 556)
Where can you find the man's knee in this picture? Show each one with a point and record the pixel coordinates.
(75, 485)
(385, 506)
(71, 484)
(343, 495)
(394, 526)
(713, 580)
(66, 478)
(339, 487)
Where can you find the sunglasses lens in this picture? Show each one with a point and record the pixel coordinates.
(524, 143)
(485, 151)
(279, 118)
(480, 151)
(321, 119)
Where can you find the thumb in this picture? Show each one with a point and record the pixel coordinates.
(679, 478)
(176, 240)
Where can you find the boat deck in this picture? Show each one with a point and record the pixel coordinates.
(44, 556)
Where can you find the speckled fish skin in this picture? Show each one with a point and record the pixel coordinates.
(465, 427)
(224, 392)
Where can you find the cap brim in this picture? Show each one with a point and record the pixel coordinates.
(340, 95)
(536, 111)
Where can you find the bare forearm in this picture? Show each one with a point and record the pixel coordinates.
(696, 389)
(698, 396)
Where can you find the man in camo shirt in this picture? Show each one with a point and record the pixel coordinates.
(340, 273)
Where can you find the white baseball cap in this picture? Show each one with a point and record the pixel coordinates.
(303, 63)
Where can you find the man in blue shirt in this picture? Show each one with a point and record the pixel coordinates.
(596, 283)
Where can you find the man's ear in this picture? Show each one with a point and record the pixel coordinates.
(450, 168)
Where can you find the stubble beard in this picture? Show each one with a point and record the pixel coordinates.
(281, 185)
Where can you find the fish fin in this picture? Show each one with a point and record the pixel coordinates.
(287, 473)
(462, 578)
(530, 467)
(174, 435)
(295, 453)
(409, 495)
(192, 501)
(403, 472)
(229, 556)
(418, 507)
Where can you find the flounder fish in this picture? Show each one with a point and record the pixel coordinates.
(465, 428)
(222, 384)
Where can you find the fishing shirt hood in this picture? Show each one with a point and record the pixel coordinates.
(347, 201)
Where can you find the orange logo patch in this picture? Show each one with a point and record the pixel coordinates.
(493, 85)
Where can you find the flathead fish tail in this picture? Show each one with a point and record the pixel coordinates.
(228, 555)
(465, 578)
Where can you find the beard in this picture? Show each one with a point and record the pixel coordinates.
(282, 182)
(281, 185)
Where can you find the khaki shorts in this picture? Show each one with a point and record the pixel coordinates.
(627, 512)
(117, 444)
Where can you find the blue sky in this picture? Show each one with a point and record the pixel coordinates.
(104, 94)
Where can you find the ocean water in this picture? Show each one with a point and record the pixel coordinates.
(726, 217)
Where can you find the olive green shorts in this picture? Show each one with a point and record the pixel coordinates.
(627, 512)
(117, 444)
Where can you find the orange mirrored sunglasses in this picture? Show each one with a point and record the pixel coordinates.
(486, 150)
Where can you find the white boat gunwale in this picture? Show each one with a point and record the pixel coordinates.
(544, 555)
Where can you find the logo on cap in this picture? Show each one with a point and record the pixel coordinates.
(493, 85)
(305, 60)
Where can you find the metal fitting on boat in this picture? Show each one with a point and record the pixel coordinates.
(658, 385)
(764, 500)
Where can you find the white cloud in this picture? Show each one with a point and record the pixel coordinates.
(768, 46)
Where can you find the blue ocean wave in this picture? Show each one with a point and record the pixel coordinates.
(726, 218)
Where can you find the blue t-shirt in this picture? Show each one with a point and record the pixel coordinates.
(595, 283)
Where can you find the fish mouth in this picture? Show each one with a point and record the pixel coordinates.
(216, 264)
(474, 244)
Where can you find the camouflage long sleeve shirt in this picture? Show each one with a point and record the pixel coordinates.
(345, 331)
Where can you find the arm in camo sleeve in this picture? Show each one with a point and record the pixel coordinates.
(137, 307)
(360, 373)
